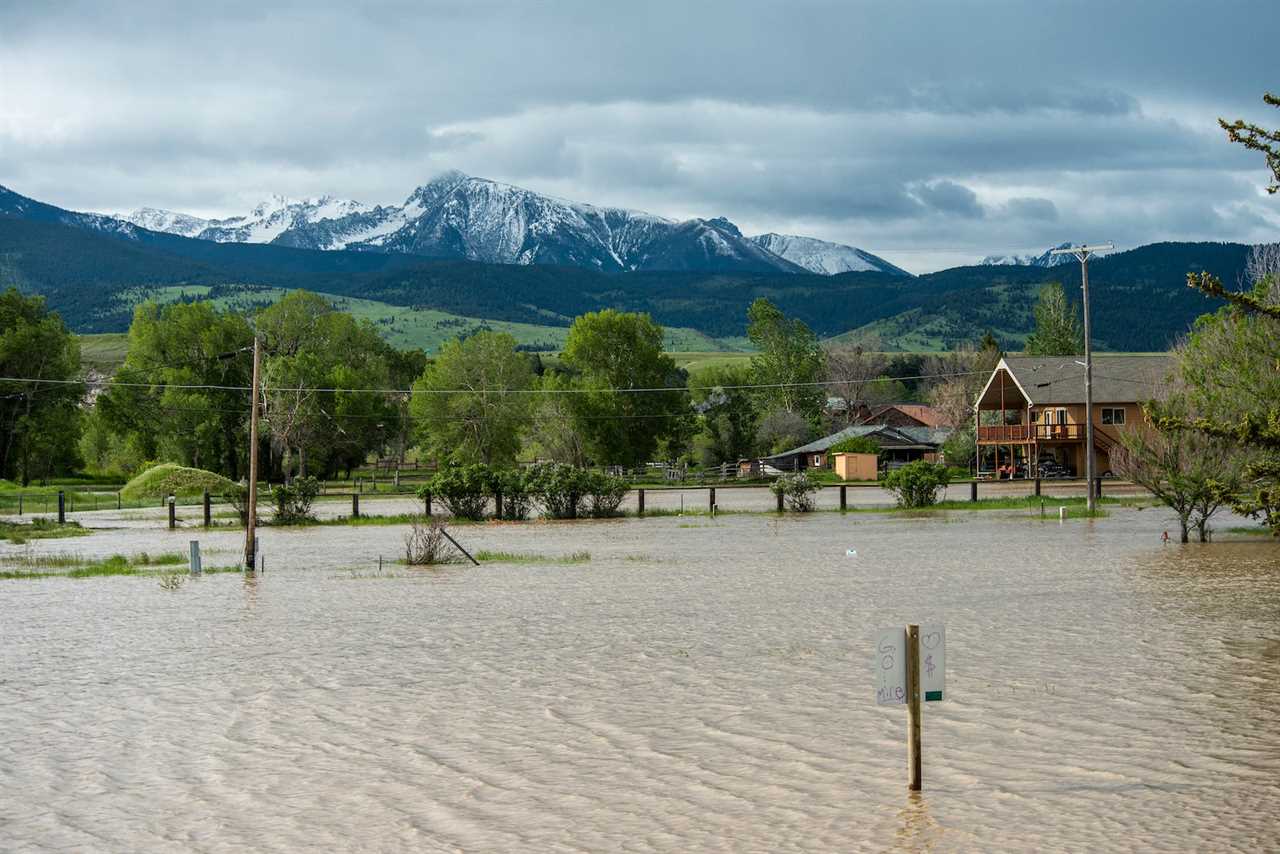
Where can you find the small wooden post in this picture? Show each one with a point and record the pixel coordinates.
(779, 502)
(355, 505)
(62, 507)
(19, 503)
(973, 490)
(359, 486)
(497, 505)
(208, 510)
(711, 499)
(1097, 487)
(844, 498)
(640, 506)
(913, 708)
(173, 512)
(397, 477)
(117, 500)
(196, 568)
(573, 506)
(1037, 487)
(426, 499)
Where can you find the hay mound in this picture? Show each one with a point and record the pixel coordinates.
(171, 479)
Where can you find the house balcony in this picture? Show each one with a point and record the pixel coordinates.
(1013, 434)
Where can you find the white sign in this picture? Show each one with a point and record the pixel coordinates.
(933, 661)
(891, 664)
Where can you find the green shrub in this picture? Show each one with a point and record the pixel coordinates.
(559, 488)
(170, 479)
(237, 495)
(463, 490)
(798, 492)
(604, 494)
(293, 500)
(855, 445)
(917, 484)
(517, 500)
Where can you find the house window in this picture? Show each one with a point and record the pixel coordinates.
(817, 460)
(1112, 415)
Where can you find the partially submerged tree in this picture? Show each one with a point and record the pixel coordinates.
(1191, 473)
(1058, 331)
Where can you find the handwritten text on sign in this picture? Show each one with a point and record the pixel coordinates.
(891, 664)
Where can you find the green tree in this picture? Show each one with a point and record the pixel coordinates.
(1058, 331)
(39, 421)
(790, 362)
(614, 354)
(324, 378)
(728, 413)
(1231, 364)
(485, 422)
(180, 399)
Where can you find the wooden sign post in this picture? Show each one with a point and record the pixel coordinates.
(910, 669)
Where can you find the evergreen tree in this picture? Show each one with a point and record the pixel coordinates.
(1058, 331)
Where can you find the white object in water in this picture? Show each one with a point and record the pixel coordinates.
(850, 552)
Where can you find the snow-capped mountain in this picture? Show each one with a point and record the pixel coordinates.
(823, 257)
(1043, 260)
(459, 216)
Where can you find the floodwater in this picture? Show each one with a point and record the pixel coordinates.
(698, 685)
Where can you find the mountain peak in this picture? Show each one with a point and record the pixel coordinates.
(824, 257)
(1044, 259)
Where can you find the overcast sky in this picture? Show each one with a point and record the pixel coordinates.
(929, 133)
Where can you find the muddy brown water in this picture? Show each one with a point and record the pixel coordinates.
(697, 685)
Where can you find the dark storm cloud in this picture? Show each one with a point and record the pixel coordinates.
(927, 131)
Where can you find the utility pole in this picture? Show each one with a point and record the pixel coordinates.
(250, 534)
(1082, 253)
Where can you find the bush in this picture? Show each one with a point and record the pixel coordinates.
(237, 495)
(917, 484)
(604, 494)
(425, 544)
(171, 479)
(855, 445)
(798, 492)
(463, 490)
(559, 488)
(517, 500)
(293, 500)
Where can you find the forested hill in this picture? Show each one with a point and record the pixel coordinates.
(94, 277)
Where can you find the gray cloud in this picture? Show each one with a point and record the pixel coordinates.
(931, 136)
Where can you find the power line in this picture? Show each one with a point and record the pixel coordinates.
(744, 387)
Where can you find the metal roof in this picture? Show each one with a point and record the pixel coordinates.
(889, 437)
(1051, 380)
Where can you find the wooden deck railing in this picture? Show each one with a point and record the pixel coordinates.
(1028, 432)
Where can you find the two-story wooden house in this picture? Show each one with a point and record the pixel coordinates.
(1030, 415)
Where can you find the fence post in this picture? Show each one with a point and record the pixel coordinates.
(19, 503)
(1037, 487)
(573, 506)
(779, 501)
(973, 490)
(1097, 487)
(711, 499)
(497, 505)
(640, 507)
(844, 498)
(173, 512)
(208, 510)
(62, 507)
(196, 568)
(355, 505)
(117, 500)
(426, 499)
(397, 477)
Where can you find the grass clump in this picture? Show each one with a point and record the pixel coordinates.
(487, 556)
(68, 565)
(19, 533)
(171, 479)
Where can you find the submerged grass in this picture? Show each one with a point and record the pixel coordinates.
(487, 556)
(39, 529)
(1250, 530)
(67, 565)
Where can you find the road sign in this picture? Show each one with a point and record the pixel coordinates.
(891, 664)
(891, 667)
(933, 661)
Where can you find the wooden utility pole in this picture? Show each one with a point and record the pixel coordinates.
(913, 708)
(250, 534)
(1083, 254)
